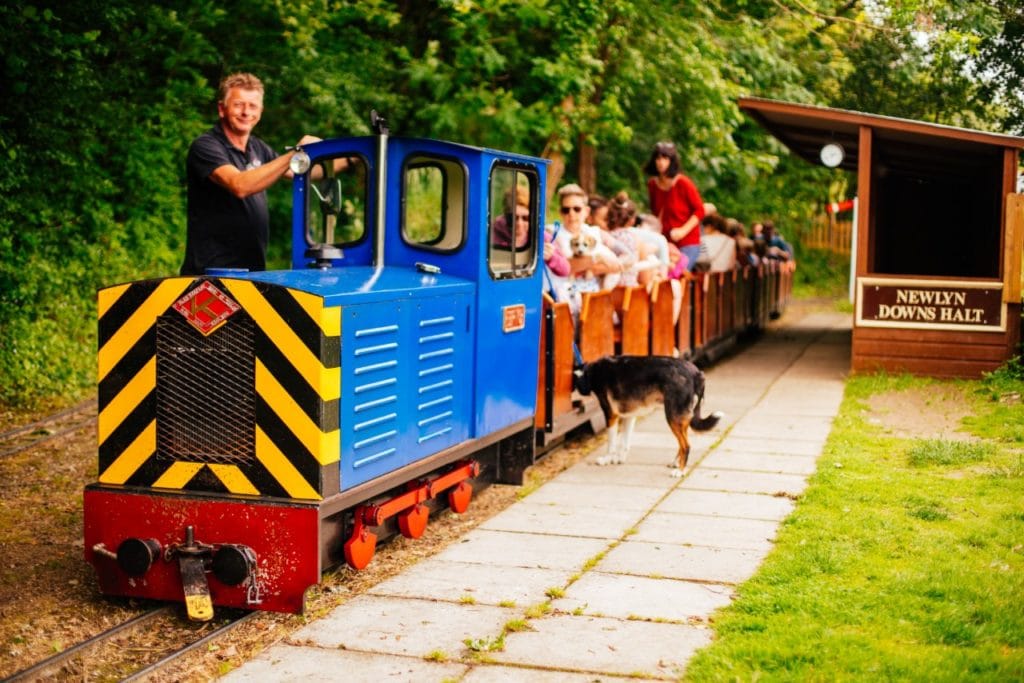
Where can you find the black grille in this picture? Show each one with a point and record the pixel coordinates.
(205, 391)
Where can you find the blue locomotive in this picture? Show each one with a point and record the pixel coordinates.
(257, 428)
(247, 420)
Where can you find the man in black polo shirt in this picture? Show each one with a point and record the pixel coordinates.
(229, 170)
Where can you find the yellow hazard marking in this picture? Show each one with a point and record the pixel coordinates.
(128, 335)
(329, 319)
(115, 412)
(233, 479)
(108, 297)
(325, 381)
(132, 458)
(283, 471)
(326, 448)
(178, 475)
(199, 607)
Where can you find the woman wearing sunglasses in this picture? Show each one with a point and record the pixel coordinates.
(674, 200)
(599, 268)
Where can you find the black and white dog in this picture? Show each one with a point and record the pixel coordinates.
(624, 385)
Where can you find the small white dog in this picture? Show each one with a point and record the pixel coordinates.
(587, 244)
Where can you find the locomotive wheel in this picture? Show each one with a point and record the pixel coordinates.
(413, 522)
(458, 497)
(360, 547)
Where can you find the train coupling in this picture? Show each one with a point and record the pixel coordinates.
(232, 564)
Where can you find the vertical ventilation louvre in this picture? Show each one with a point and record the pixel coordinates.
(436, 378)
(205, 397)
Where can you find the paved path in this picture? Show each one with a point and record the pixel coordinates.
(632, 561)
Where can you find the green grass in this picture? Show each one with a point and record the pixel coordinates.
(905, 563)
(925, 452)
(820, 273)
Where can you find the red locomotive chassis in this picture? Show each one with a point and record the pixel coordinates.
(284, 537)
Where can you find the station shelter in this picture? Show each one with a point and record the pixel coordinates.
(936, 254)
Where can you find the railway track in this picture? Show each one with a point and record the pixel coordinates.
(73, 661)
(48, 428)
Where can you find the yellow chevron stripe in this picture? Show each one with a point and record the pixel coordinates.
(114, 413)
(233, 479)
(325, 381)
(178, 475)
(326, 448)
(329, 319)
(141, 320)
(108, 297)
(282, 470)
(132, 458)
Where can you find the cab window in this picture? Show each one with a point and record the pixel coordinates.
(513, 221)
(336, 201)
(434, 203)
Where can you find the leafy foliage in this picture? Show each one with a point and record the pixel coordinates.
(101, 100)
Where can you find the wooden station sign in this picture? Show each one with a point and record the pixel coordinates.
(962, 305)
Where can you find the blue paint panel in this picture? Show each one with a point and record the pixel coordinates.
(442, 363)
(372, 402)
(405, 367)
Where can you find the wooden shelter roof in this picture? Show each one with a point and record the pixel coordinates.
(804, 128)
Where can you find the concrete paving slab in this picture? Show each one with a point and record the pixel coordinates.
(400, 626)
(516, 674)
(726, 504)
(598, 495)
(740, 443)
(745, 482)
(602, 645)
(803, 395)
(644, 437)
(289, 664)
(640, 597)
(658, 458)
(694, 563)
(505, 549)
(731, 408)
(721, 459)
(629, 473)
(813, 405)
(436, 579)
(716, 532)
(792, 427)
(564, 520)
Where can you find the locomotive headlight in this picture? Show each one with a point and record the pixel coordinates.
(300, 162)
(136, 555)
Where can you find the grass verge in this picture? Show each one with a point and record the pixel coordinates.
(903, 560)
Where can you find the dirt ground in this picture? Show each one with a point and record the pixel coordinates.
(930, 413)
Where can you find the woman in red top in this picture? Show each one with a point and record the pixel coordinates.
(674, 200)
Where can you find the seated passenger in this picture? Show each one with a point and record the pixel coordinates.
(557, 269)
(745, 255)
(776, 247)
(594, 265)
(645, 267)
(678, 265)
(598, 211)
(721, 248)
(517, 211)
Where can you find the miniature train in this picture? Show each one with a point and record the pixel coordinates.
(258, 428)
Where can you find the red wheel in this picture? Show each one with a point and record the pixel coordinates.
(458, 497)
(360, 547)
(413, 522)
